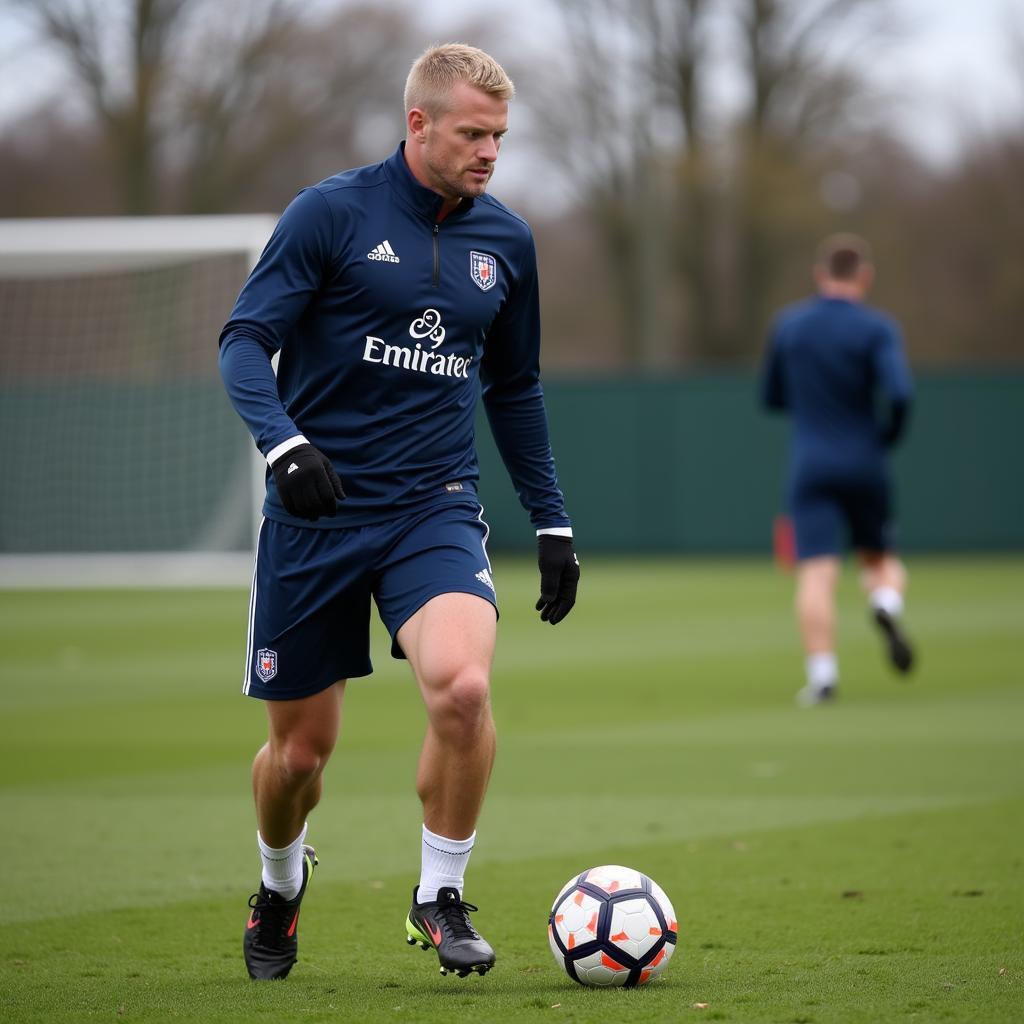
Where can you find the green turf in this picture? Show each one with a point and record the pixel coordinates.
(861, 862)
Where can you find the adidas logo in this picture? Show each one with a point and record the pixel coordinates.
(485, 577)
(384, 253)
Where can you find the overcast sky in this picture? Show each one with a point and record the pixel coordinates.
(954, 68)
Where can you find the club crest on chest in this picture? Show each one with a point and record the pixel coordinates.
(483, 270)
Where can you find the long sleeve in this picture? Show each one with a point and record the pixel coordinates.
(893, 375)
(896, 425)
(890, 364)
(271, 302)
(773, 392)
(252, 388)
(514, 400)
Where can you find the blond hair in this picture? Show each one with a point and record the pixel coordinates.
(439, 68)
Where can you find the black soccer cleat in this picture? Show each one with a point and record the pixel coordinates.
(271, 941)
(444, 925)
(901, 654)
(811, 695)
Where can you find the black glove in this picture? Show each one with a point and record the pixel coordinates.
(559, 576)
(306, 480)
(899, 413)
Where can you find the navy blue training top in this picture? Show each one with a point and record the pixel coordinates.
(830, 363)
(389, 325)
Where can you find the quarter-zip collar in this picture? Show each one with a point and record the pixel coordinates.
(417, 197)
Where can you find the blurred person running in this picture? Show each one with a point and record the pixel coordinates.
(395, 294)
(837, 367)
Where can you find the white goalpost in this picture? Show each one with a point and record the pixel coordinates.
(125, 464)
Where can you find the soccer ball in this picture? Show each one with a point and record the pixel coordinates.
(612, 926)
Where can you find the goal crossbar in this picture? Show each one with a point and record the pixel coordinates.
(77, 249)
(41, 247)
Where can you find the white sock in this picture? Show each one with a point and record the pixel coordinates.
(887, 599)
(282, 869)
(822, 670)
(442, 863)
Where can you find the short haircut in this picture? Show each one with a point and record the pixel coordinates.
(439, 68)
(842, 255)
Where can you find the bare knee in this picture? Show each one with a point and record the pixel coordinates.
(882, 569)
(300, 759)
(461, 707)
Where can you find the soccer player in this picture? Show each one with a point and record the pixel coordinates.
(394, 295)
(837, 366)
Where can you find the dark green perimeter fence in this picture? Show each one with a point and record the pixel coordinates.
(685, 463)
(693, 464)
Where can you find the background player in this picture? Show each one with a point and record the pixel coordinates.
(393, 293)
(830, 360)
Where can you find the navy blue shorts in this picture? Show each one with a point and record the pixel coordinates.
(829, 515)
(309, 609)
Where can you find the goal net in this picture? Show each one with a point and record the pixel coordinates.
(124, 461)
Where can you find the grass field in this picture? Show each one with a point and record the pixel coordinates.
(860, 862)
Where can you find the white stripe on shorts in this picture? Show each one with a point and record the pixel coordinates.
(247, 671)
(487, 533)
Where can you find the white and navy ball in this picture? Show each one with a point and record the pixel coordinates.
(612, 926)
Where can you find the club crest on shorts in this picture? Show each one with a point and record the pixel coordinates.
(266, 664)
(483, 270)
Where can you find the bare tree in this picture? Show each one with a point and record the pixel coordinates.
(691, 226)
(121, 90)
(617, 113)
(752, 195)
(199, 102)
(804, 97)
(289, 104)
(680, 53)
